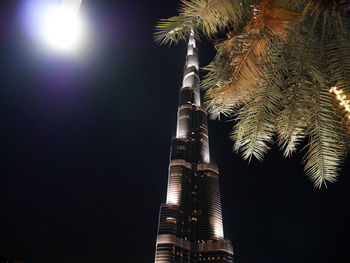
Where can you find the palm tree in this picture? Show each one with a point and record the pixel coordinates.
(282, 72)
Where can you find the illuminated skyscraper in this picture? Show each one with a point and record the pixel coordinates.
(190, 222)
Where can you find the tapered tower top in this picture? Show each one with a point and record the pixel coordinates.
(191, 78)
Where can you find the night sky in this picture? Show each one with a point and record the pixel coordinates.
(85, 146)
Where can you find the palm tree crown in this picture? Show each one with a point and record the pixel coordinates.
(282, 73)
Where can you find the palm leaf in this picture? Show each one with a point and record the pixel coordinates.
(219, 72)
(247, 51)
(275, 17)
(338, 55)
(271, 91)
(256, 121)
(215, 15)
(254, 132)
(332, 7)
(326, 146)
(293, 119)
(174, 29)
(244, 79)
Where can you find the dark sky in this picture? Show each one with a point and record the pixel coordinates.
(85, 147)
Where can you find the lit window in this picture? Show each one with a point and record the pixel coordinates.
(184, 117)
(211, 175)
(171, 220)
(176, 174)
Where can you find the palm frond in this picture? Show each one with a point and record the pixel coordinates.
(273, 73)
(338, 55)
(174, 29)
(247, 51)
(291, 123)
(215, 15)
(219, 72)
(276, 17)
(293, 119)
(244, 79)
(255, 129)
(326, 146)
(332, 7)
(256, 120)
(337, 68)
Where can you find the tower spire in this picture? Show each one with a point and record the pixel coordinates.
(190, 222)
(191, 76)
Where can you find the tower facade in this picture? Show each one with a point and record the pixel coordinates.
(190, 222)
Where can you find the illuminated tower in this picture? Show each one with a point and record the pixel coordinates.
(190, 223)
